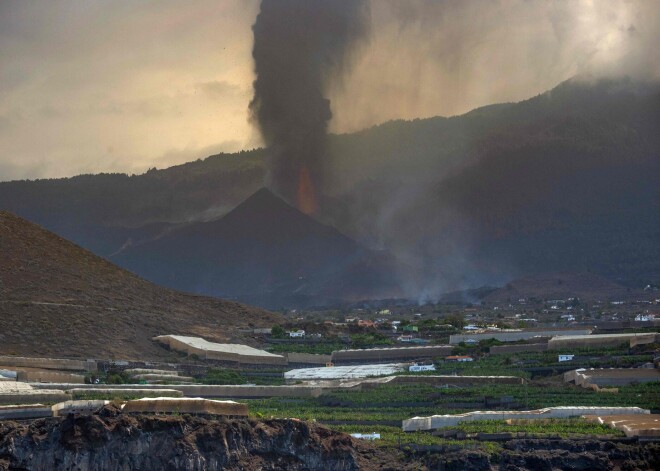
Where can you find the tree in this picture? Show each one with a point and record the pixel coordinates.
(456, 319)
(278, 331)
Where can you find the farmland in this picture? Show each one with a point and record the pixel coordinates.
(392, 403)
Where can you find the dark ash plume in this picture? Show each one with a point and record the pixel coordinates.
(300, 47)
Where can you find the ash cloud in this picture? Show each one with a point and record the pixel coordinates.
(300, 47)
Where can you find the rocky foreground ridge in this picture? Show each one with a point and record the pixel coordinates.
(110, 440)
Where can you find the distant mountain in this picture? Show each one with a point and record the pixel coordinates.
(567, 182)
(562, 182)
(59, 299)
(267, 252)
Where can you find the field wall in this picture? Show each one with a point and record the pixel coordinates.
(42, 376)
(590, 341)
(514, 336)
(522, 348)
(390, 354)
(439, 421)
(456, 380)
(308, 358)
(11, 362)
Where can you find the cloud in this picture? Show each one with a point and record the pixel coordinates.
(188, 154)
(428, 58)
(137, 77)
(146, 77)
(220, 89)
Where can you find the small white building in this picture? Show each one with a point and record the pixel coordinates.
(297, 334)
(565, 358)
(415, 368)
(366, 436)
(645, 317)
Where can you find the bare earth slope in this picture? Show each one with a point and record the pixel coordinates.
(59, 299)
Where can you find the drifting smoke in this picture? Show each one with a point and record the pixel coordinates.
(300, 46)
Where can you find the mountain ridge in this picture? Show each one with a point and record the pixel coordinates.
(562, 181)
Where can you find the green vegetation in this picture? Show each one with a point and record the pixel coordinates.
(393, 437)
(115, 396)
(515, 364)
(330, 344)
(371, 339)
(223, 377)
(393, 403)
(565, 428)
(278, 332)
(228, 376)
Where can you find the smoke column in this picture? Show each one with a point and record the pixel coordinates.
(301, 46)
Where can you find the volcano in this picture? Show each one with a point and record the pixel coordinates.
(268, 253)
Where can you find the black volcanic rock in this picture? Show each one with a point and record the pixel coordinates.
(265, 251)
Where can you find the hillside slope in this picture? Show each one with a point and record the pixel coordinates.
(267, 252)
(59, 299)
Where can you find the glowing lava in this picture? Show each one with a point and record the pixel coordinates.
(307, 202)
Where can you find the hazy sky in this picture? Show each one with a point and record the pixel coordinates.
(94, 85)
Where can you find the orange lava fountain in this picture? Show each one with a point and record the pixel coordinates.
(307, 202)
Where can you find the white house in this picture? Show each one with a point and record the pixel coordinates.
(565, 357)
(297, 334)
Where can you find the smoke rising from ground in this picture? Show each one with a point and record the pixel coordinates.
(300, 47)
(427, 58)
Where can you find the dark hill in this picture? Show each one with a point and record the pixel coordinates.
(267, 252)
(59, 299)
(563, 182)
